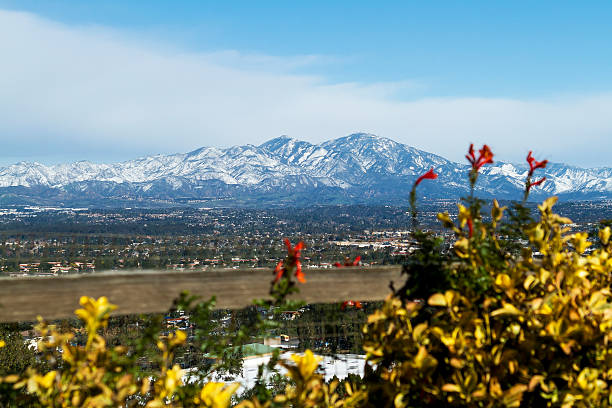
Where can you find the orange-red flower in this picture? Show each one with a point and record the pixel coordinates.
(296, 250)
(354, 303)
(294, 253)
(293, 257)
(535, 183)
(534, 164)
(279, 271)
(429, 175)
(348, 262)
(484, 156)
(298, 272)
(470, 225)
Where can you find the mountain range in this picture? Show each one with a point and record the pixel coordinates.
(359, 168)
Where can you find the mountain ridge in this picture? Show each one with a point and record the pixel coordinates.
(359, 167)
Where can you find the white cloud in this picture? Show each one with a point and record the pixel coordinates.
(95, 93)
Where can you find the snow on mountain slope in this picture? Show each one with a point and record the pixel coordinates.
(354, 162)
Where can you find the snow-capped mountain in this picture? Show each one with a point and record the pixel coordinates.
(356, 168)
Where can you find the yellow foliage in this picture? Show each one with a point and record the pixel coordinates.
(309, 388)
(306, 365)
(540, 336)
(95, 376)
(91, 376)
(216, 395)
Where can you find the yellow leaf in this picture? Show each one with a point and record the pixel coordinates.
(599, 302)
(464, 215)
(497, 212)
(437, 299)
(479, 335)
(544, 275)
(604, 235)
(537, 234)
(217, 395)
(502, 280)
(177, 338)
(481, 392)
(423, 360)
(530, 282)
(455, 362)
(451, 388)
(46, 381)
(306, 364)
(95, 313)
(173, 380)
(587, 378)
(512, 397)
(512, 366)
(507, 309)
(13, 378)
(418, 331)
(535, 380)
(494, 388)
(547, 205)
(580, 241)
(446, 220)
(398, 401)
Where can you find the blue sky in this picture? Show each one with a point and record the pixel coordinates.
(435, 75)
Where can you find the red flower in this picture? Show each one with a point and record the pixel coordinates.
(429, 175)
(535, 183)
(484, 156)
(295, 251)
(347, 262)
(355, 303)
(279, 271)
(470, 227)
(533, 164)
(298, 272)
(293, 257)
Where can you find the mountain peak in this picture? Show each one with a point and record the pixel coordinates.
(362, 135)
(277, 141)
(361, 139)
(286, 148)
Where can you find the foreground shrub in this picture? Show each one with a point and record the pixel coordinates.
(539, 335)
(94, 375)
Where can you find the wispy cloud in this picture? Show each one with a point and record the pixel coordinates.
(95, 93)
